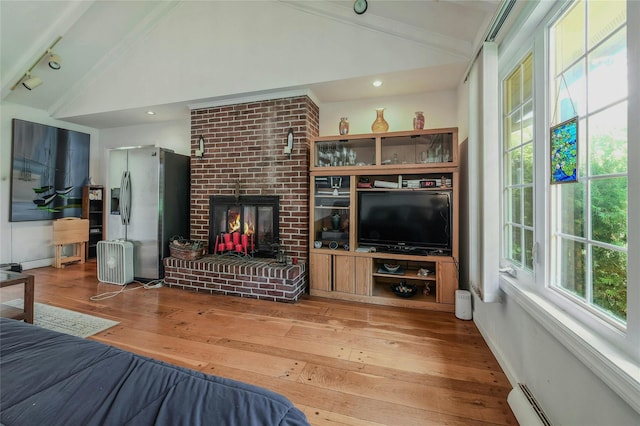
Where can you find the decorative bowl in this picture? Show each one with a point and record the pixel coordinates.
(391, 267)
(404, 290)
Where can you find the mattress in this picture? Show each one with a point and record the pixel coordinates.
(51, 378)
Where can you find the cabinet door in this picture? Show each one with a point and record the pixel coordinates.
(447, 274)
(432, 149)
(320, 271)
(344, 274)
(331, 211)
(364, 276)
(351, 151)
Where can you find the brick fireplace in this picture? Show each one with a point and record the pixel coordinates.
(244, 156)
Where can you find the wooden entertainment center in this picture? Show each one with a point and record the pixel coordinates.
(407, 162)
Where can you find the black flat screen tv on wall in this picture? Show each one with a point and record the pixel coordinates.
(49, 167)
(405, 221)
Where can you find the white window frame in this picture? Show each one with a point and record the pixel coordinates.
(591, 309)
(611, 353)
(523, 272)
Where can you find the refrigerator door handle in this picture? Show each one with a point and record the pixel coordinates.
(125, 197)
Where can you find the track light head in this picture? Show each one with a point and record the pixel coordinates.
(31, 82)
(55, 62)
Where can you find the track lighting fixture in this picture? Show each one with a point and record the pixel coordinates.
(31, 82)
(54, 63)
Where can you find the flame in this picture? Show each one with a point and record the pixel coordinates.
(249, 228)
(234, 223)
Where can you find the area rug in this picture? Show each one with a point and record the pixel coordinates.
(64, 320)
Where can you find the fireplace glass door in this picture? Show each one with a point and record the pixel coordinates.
(253, 221)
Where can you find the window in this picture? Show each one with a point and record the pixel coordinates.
(517, 172)
(579, 280)
(588, 220)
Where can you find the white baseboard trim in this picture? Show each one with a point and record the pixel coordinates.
(40, 263)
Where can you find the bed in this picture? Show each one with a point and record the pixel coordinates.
(49, 378)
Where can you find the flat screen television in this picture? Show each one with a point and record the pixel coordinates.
(406, 221)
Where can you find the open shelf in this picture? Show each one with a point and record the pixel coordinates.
(93, 209)
(384, 290)
(410, 275)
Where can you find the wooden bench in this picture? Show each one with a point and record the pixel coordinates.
(70, 231)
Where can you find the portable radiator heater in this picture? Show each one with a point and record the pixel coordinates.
(115, 262)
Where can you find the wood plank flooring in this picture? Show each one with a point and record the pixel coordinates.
(341, 363)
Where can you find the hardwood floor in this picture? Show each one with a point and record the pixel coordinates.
(339, 362)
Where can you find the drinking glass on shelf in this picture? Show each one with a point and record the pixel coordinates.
(437, 154)
(446, 154)
(352, 157)
(432, 155)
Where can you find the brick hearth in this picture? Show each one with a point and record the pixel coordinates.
(255, 278)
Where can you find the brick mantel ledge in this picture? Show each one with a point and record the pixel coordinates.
(236, 276)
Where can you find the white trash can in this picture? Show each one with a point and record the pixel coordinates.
(463, 305)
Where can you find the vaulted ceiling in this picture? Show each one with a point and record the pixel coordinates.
(122, 58)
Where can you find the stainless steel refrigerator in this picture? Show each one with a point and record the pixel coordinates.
(148, 204)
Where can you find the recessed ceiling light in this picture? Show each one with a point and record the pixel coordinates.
(377, 83)
(151, 113)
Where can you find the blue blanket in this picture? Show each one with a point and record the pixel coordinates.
(53, 378)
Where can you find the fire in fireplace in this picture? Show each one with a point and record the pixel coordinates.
(250, 221)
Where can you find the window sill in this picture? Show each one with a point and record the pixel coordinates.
(615, 368)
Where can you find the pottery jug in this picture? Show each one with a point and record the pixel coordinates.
(380, 125)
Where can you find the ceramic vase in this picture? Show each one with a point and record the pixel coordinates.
(343, 126)
(418, 121)
(380, 125)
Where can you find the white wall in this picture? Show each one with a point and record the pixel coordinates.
(29, 243)
(439, 108)
(568, 390)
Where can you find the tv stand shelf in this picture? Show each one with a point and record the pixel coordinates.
(413, 275)
(420, 300)
(346, 168)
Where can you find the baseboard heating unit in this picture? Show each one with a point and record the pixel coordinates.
(115, 262)
(526, 408)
